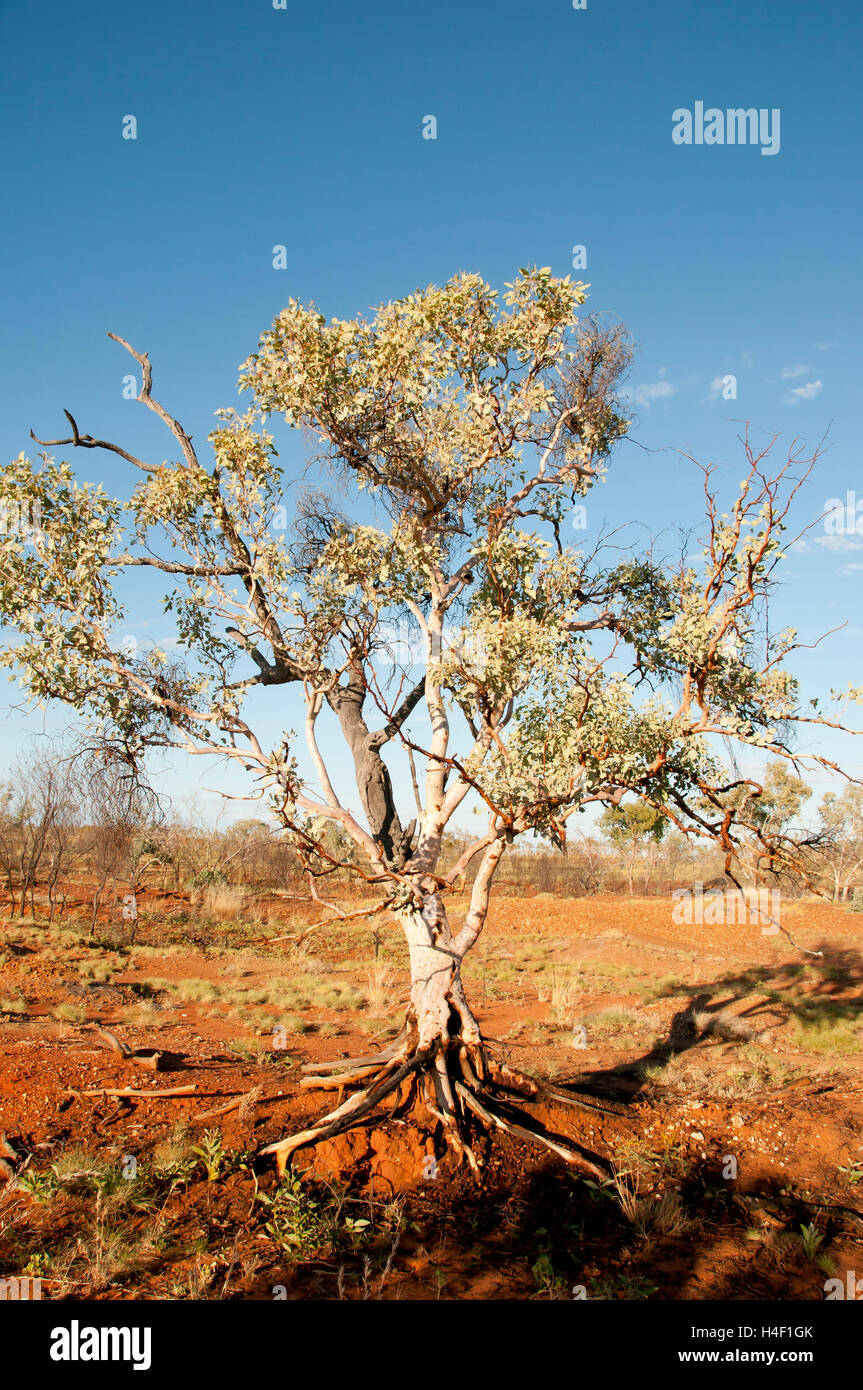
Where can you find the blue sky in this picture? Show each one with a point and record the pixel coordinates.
(303, 127)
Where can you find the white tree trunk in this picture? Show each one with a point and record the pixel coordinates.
(440, 1050)
(438, 1007)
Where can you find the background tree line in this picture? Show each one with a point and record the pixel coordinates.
(75, 825)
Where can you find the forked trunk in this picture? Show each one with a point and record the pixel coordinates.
(437, 1058)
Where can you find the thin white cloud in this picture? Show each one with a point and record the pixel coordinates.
(805, 393)
(650, 391)
(838, 542)
(789, 373)
(714, 390)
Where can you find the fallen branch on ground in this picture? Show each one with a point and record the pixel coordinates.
(131, 1091)
(248, 1098)
(140, 1056)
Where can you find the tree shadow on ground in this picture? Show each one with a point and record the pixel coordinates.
(825, 990)
(532, 1229)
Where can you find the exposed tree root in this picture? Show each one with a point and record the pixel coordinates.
(374, 1059)
(465, 1089)
(579, 1102)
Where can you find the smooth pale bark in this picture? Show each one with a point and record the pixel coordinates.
(438, 1007)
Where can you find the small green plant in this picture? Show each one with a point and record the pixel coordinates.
(810, 1239)
(853, 1172)
(211, 1151)
(296, 1221)
(358, 1229)
(606, 1188)
(548, 1284)
(41, 1186)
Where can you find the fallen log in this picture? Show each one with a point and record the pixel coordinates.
(132, 1091)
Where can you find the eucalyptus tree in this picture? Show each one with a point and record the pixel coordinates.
(633, 829)
(463, 426)
(842, 819)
